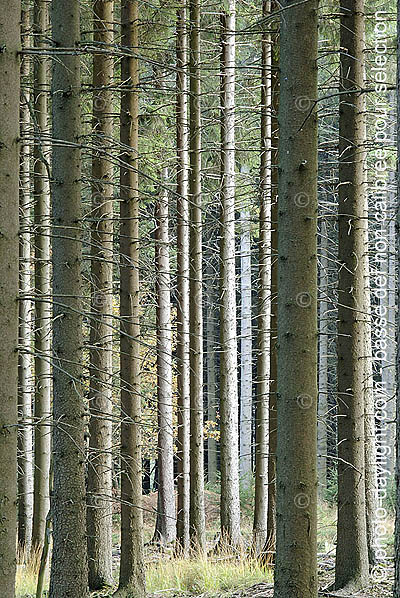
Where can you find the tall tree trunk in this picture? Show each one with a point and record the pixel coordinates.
(296, 542)
(246, 363)
(197, 514)
(43, 310)
(69, 575)
(9, 172)
(264, 296)
(211, 339)
(273, 365)
(351, 552)
(323, 347)
(230, 504)
(166, 522)
(131, 576)
(25, 470)
(182, 316)
(99, 481)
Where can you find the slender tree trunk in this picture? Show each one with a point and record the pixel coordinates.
(166, 520)
(99, 481)
(211, 339)
(273, 365)
(43, 309)
(230, 504)
(296, 543)
(182, 341)
(246, 362)
(351, 553)
(69, 575)
(131, 577)
(25, 470)
(197, 514)
(9, 170)
(323, 362)
(264, 296)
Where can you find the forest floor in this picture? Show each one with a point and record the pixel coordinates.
(224, 576)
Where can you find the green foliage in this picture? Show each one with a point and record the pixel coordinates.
(332, 489)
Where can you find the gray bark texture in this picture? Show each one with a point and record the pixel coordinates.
(229, 450)
(197, 514)
(352, 552)
(43, 310)
(182, 316)
(10, 16)
(296, 510)
(69, 573)
(131, 575)
(99, 480)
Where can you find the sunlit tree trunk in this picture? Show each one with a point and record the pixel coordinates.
(230, 504)
(43, 311)
(69, 574)
(166, 521)
(25, 471)
(99, 481)
(182, 316)
(10, 17)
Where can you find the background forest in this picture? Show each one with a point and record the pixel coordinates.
(199, 252)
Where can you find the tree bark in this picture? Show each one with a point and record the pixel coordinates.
(197, 514)
(43, 310)
(230, 504)
(69, 575)
(99, 480)
(264, 296)
(351, 552)
(182, 316)
(25, 453)
(246, 362)
(323, 347)
(296, 543)
(165, 531)
(9, 172)
(131, 576)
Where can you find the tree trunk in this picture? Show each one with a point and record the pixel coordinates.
(351, 551)
(99, 481)
(131, 576)
(182, 316)
(264, 297)
(273, 366)
(9, 171)
(69, 575)
(197, 514)
(43, 309)
(166, 521)
(230, 504)
(25, 470)
(246, 363)
(323, 346)
(296, 543)
(211, 339)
